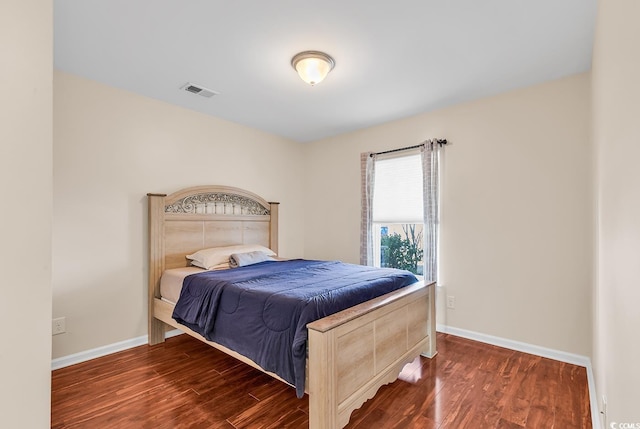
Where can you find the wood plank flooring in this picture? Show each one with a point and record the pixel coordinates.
(186, 384)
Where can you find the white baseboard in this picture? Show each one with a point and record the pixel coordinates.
(84, 356)
(516, 345)
(561, 356)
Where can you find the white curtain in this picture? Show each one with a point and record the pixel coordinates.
(430, 174)
(367, 179)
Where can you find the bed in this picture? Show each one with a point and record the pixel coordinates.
(351, 354)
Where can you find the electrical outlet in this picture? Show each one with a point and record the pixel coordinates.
(59, 326)
(451, 301)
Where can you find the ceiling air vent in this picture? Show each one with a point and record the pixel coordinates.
(198, 89)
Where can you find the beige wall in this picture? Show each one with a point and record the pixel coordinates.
(516, 235)
(26, 40)
(616, 115)
(111, 147)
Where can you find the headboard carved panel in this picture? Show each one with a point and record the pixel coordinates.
(218, 203)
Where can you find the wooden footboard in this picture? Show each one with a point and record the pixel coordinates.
(354, 352)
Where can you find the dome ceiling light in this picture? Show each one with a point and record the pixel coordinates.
(312, 66)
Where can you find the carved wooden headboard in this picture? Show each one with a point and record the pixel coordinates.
(205, 216)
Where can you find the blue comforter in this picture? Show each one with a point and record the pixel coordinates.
(261, 311)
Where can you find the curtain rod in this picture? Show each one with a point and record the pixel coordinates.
(441, 142)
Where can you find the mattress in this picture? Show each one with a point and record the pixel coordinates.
(171, 282)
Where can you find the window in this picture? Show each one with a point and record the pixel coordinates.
(397, 219)
(405, 193)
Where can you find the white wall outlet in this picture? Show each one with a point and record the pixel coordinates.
(451, 301)
(59, 326)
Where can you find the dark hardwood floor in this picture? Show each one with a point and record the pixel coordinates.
(186, 384)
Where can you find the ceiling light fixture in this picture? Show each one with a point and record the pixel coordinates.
(312, 66)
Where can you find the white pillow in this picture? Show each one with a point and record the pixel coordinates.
(217, 267)
(213, 256)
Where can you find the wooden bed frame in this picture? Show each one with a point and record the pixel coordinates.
(351, 353)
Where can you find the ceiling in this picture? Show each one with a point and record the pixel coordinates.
(393, 58)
